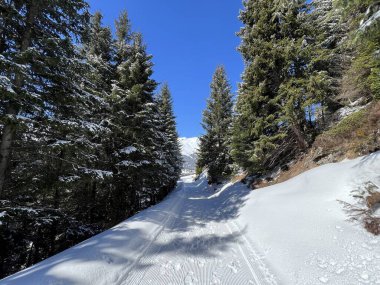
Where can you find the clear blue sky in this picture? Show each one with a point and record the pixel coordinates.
(188, 39)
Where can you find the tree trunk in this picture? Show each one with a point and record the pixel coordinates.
(299, 137)
(57, 191)
(5, 148)
(93, 201)
(10, 128)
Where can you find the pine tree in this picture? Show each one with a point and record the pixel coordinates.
(99, 53)
(271, 125)
(132, 101)
(90, 145)
(214, 150)
(363, 20)
(42, 125)
(171, 145)
(257, 131)
(327, 59)
(34, 56)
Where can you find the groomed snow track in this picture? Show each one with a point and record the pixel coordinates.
(294, 233)
(195, 246)
(190, 238)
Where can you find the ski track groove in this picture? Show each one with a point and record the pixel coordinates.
(120, 280)
(185, 267)
(264, 270)
(254, 275)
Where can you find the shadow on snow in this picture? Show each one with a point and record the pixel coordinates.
(191, 206)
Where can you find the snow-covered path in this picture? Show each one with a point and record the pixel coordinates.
(292, 233)
(189, 238)
(199, 243)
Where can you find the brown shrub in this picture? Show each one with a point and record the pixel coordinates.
(372, 225)
(363, 211)
(373, 199)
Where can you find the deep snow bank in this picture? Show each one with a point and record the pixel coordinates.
(303, 232)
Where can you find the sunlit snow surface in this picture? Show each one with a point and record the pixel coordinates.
(290, 233)
(189, 148)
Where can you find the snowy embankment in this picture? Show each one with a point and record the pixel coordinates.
(291, 233)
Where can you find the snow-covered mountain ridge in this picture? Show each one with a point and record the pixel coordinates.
(189, 147)
(294, 232)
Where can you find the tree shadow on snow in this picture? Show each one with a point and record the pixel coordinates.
(192, 208)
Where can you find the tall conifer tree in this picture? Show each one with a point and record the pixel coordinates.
(36, 50)
(171, 145)
(257, 129)
(214, 149)
(273, 95)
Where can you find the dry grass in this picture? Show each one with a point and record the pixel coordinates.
(239, 177)
(356, 135)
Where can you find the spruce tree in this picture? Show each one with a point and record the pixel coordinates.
(294, 32)
(98, 51)
(270, 124)
(132, 102)
(257, 129)
(123, 37)
(36, 50)
(90, 144)
(171, 145)
(43, 125)
(363, 21)
(214, 150)
(327, 59)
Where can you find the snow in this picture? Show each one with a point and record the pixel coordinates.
(6, 84)
(128, 150)
(353, 107)
(189, 148)
(99, 174)
(129, 163)
(60, 142)
(368, 23)
(69, 179)
(292, 233)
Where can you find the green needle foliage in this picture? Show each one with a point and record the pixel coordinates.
(214, 149)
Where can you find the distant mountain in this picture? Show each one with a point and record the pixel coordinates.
(189, 147)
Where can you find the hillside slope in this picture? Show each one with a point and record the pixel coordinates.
(291, 233)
